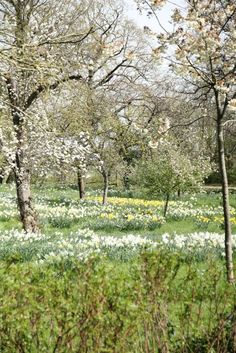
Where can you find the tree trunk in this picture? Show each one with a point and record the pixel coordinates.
(126, 180)
(117, 180)
(105, 187)
(27, 213)
(22, 180)
(22, 177)
(225, 199)
(16, 83)
(22, 173)
(1, 176)
(166, 204)
(81, 185)
(10, 178)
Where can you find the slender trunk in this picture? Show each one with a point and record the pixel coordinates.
(126, 180)
(105, 187)
(234, 329)
(225, 199)
(10, 178)
(117, 180)
(1, 176)
(166, 204)
(81, 185)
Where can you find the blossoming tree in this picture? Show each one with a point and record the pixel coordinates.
(44, 45)
(204, 41)
(169, 169)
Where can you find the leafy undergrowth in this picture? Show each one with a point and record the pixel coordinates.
(157, 303)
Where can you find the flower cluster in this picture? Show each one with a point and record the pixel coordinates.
(196, 241)
(120, 213)
(81, 245)
(205, 221)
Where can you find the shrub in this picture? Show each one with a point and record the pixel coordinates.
(155, 304)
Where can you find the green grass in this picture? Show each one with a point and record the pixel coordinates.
(10, 224)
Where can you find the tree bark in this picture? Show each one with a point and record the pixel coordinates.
(225, 201)
(16, 82)
(117, 180)
(105, 187)
(166, 204)
(22, 179)
(10, 178)
(81, 185)
(126, 180)
(21, 169)
(1, 176)
(27, 213)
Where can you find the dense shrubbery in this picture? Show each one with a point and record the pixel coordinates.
(154, 304)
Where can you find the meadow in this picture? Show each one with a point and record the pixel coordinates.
(115, 278)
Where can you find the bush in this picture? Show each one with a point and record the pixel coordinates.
(155, 304)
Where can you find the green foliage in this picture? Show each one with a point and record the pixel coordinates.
(158, 303)
(126, 224)
(60, 222)
(170, 170)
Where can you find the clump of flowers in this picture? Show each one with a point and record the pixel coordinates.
(80, 245)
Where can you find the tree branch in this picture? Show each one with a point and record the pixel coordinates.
(69, 41)
(42, 88)
(110, 74)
